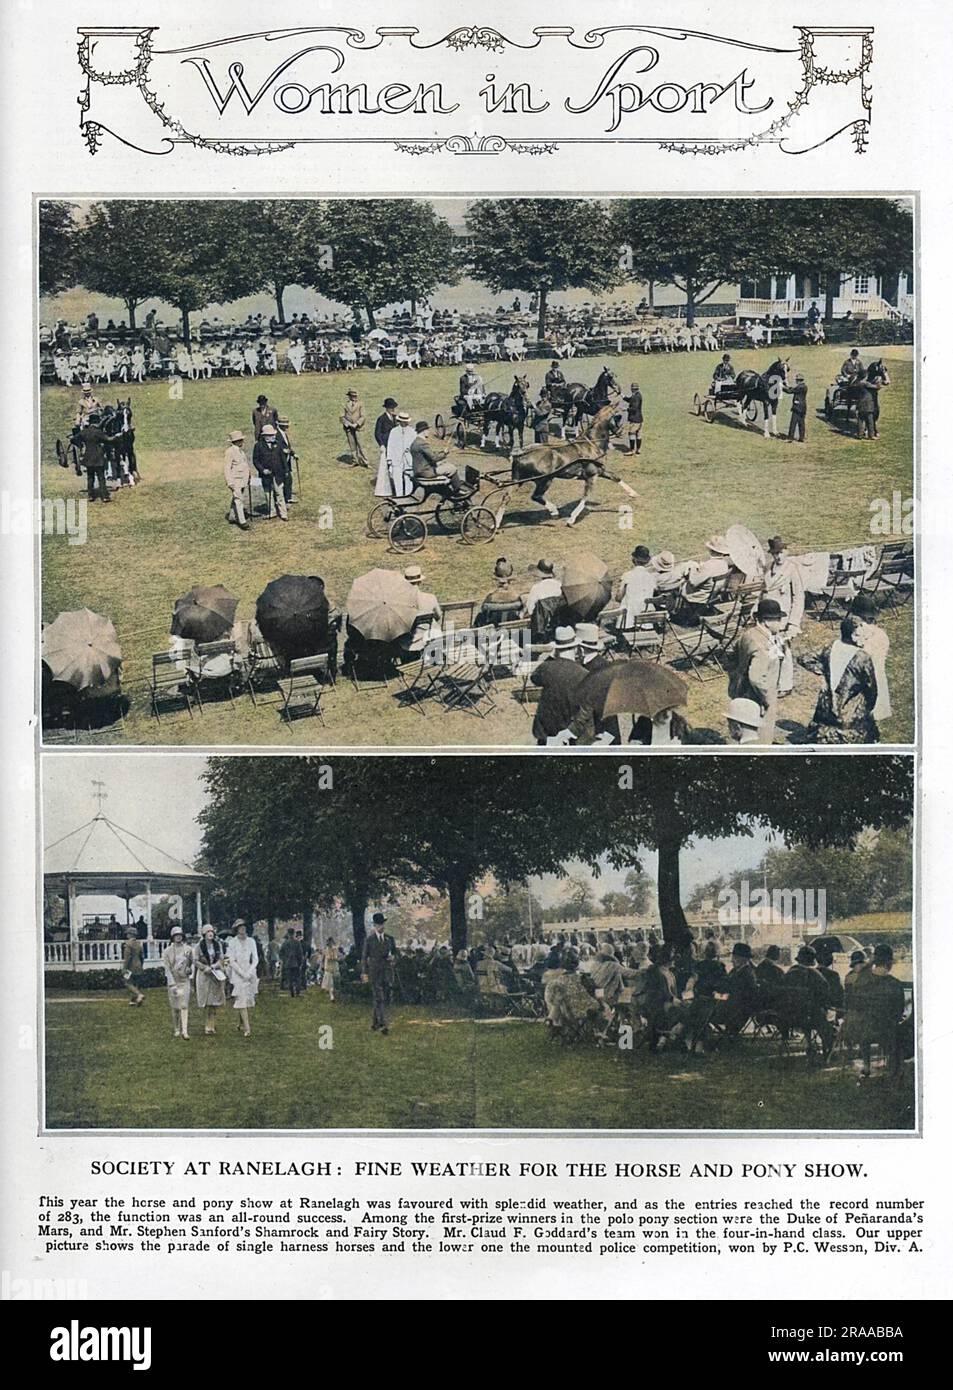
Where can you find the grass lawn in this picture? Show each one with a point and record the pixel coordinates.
(693, 479)
(112, 1066)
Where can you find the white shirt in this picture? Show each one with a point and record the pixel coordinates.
(637, 588)
(543, 588)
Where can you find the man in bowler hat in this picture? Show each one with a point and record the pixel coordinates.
(375, 969)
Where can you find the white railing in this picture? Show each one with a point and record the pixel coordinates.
(872, 306)
(95, 955)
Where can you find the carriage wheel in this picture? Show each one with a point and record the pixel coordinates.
(61, 456)
(408, 533)
(828, 410)
(379, 519)
(751, 412)
(697, 404)
(440, 426)
(708, 409)
(479, 526)
(460, 435)
(496, 501)
(448, 512)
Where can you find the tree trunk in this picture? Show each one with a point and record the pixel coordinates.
(689, 301)
(651, 290)
(541, 315)
(271, 928)
(186, 331)
(131, 311)
(458, 913)
(413, 306)
(357, 902)
(831, 284)
(675, 929)
(307, 923)
(280, 302)
(371, 321)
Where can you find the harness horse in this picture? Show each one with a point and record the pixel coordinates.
(576, 401)
(764, 389)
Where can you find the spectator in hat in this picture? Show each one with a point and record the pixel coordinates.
(429, 463)
(783, 581)
(771, 976)
(554, 379)
(502, 604)
(376, 957)
(559, 676)
(272, 462)
(668, 574)
(353, 421)
(241, 957)
(429, 620)
(636, 588)
(741, 995)
(263, 414)
(825, 964)
(291, 955)
(209, 975)
(539, 418)
(702, 576)
(807, 999)
(844, 709)
(400, 466)
(237, 478)
(798, 394)
(757, 668)
(744, 721)
(858, 965)
(178, 964)
(544, 599)
(283, 425)
(875, 1010)
(132, 965)
(94, 441)
(876, 644)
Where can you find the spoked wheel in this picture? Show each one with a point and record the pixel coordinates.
(708, 409)
(696, 404)
(460, 435)
(828, 412)
(479, 526)
(448, 512)
(379, 519)
(440, 426)
(408, 532)
(61, 457)
(751, 412)
(496, 502)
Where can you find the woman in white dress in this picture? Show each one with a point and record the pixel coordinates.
(241, 957)
(332, 968)
(178, 963)
(209, 975)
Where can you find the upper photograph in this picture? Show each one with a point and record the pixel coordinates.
(442, 473)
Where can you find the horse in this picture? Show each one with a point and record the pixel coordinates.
(576, 400)
(508, 412)
(120, 451)
(764, 389)
(583, 457)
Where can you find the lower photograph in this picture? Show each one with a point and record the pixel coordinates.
(566, 942)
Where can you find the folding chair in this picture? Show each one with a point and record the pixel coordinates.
(505, 646)
(302, 690)
(216, 665)
(171, 680)
(465, 676)
(528, 693)
(262, 662)
(419, 678)
(464, 607)
(713, 639)
(894, 575)
(844, 584)
(646, 636)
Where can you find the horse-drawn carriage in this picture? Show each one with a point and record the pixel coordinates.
(120, 451)
(406, 521)
(743, 396)
(498, 419)
(841, 396)
(729, 394)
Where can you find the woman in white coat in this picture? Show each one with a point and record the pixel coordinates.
(178, 963)
(241, 957)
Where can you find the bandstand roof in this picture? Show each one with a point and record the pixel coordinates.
(102, 855)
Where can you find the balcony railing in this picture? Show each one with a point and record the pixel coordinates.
(94, 955)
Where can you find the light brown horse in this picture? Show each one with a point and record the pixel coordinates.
(583, 458)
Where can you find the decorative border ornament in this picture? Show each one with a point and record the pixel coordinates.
(136, 59)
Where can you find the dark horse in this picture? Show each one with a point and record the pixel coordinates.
(506, 413)
(583, 458)
(121, 449)
(765, 389)
(576, 400)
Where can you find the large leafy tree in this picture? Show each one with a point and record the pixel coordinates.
(383, 250)
(542, 245)
(834, 236)
(57, 230)
(697, 244)
(281, 242)
(112, 257)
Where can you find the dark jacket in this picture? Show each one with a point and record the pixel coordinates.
(385, 423)
(559, 679)
(94, 439)
(634, 411)
(424, 458)
(378, 951)
(273, 458)
(798, 396)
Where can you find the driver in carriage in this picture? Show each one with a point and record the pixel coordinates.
(723, 375)
(554, 380)
(472, 389)
(429, 464)
(88, 405)
(852, 368)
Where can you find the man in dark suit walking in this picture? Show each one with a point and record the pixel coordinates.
(375, 969)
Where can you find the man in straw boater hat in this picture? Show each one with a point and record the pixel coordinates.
(400, 466)
(757, 670)
(744, 720)
(272, 461)
(427, 623)
(559, 677)
(237, 478)
(353, 421)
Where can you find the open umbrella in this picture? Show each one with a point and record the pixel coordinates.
(81, 649)
(292, 614)
(204, 614)
(586, 587)
(745, 551)
(382, 606)
(634, 687)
